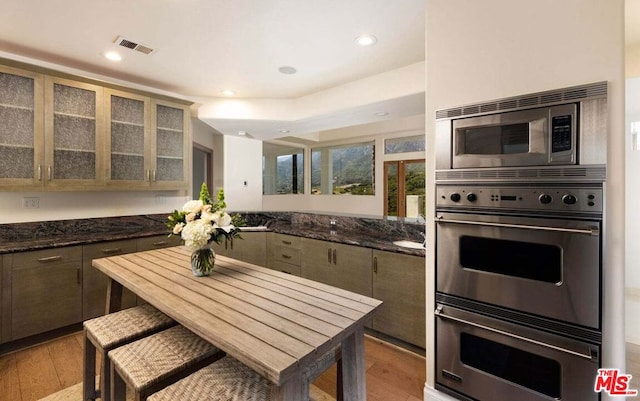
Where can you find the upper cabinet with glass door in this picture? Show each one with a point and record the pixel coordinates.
(73, 134)
(127, 141)
(148, 142)
(21, 128)
(171, 145)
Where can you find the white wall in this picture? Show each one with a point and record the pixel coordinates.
(242, 173)
(632, 279)
(483, 50)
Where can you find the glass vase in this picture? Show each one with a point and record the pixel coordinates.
(202, 261)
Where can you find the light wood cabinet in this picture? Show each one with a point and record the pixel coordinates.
(64, 134)
(251, 248)
(339, 265)
(399, 282)
(21, 128)
(46, 290)
(74, 133)
(148, 142)
(284, 253)
(157, 241)
(94, 282)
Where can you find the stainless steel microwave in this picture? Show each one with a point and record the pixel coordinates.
(533, 137)
(555, 128)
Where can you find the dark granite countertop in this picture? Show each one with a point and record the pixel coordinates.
(371, 233)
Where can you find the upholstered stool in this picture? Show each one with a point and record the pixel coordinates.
(152, 363)
(104, 333)
(230, 380)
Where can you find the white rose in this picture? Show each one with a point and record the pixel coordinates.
(178, 228)
(190, 217)
(194, 206)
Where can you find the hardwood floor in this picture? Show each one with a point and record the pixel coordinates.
(393, 374)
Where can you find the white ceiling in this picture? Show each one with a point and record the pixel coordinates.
(206, 46)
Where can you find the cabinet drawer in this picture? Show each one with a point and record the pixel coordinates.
(104, 249)
(286, 268)
(286, 255)
(158, 241)
(289, 241)
(46, 257)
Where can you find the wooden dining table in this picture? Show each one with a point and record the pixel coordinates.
(278, 324)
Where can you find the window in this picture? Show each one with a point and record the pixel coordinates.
(405, 188)
(403, 145)
(343, 170)
(282, 169)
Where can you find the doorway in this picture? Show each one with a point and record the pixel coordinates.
(202, 168)
(404, 189)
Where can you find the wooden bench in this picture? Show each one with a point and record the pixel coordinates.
(230, 380)
(154, 362)
(104, 333)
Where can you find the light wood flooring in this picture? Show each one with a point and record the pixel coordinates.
(393, 374)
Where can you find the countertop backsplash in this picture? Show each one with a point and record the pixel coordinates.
(368, 232)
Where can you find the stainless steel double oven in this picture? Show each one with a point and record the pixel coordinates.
(519, 262)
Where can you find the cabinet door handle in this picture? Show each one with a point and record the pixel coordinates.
(49, 173)
(335, 259)
(50, 259)
(231, 242)
(147, 173)
(160, 243)
(39, 172)
(285, 256)
(329, 255)
(375, 264)
(111, 250)
(154, 175)
(286, 242)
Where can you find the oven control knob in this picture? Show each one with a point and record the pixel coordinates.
(569, 199)
(455, 197)
(545, 199)
(471, 197)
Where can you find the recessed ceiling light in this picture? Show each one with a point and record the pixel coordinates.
(366, 40)
(287, 70)
(242, 133)
(113, 56)
(284, 131)
(228, 92)
(381, 113)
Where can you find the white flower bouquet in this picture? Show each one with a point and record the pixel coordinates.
(201, 222)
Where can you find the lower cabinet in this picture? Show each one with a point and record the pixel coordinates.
(46, 290)
(284, 253)
(339, 265)
(399, 282)
(94, 282)
(251, 248)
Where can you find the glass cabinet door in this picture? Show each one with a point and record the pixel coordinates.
(128, 138)
(73, 133)
(171, 148)
(21, 131)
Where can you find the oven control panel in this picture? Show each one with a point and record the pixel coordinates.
(578, 199)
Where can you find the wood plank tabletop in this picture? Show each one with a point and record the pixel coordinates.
(273, 322)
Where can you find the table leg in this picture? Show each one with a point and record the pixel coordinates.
(353, 367)
(114, 296)
(293, 389)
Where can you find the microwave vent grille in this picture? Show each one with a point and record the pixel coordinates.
(593, 173)
(573, 94)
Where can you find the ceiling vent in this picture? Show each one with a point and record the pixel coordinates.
(129, 44)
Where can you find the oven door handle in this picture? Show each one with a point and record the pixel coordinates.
(588, 231)
(438, 312)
